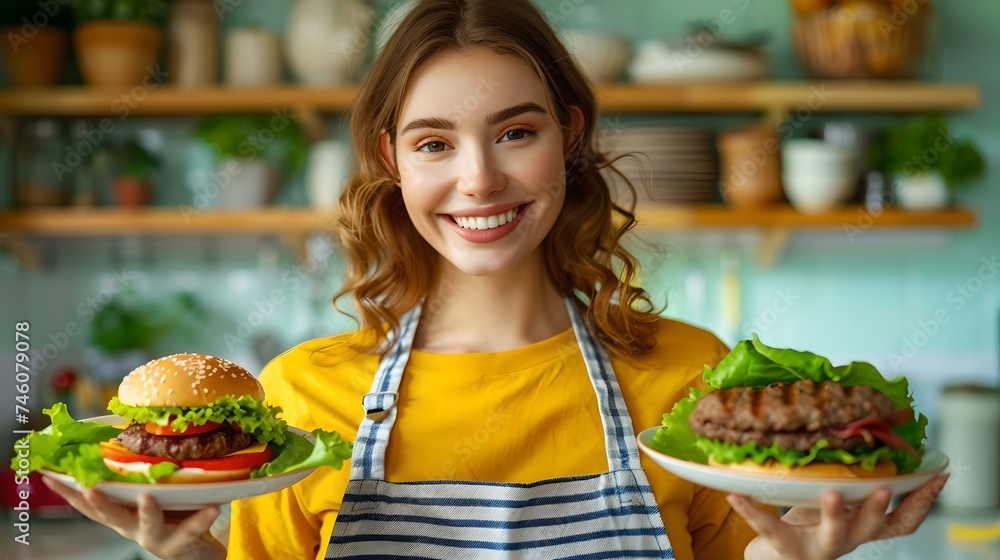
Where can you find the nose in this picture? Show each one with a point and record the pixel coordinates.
(480, 176)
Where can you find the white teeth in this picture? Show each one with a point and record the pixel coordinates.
(490, 222)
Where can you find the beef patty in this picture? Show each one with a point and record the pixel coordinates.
(223, 441)
(793, 415)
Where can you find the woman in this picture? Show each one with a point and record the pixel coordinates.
(505, 360)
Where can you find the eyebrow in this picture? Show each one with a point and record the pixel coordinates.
(492, 119)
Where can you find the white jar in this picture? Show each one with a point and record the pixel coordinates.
(326, 40)
(194, 43)
(817, 176)
(327, 173)
(253, 57)
(969, 434)
(253, 185)
(926, 191)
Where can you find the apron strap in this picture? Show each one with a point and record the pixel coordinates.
(368, 461)
(619, 437)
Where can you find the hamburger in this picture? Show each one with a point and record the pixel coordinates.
(189, 418)
(790, 413)
(203, 415)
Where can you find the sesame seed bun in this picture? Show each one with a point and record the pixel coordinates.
(187, 380)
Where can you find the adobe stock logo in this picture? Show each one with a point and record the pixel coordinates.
(761, 322)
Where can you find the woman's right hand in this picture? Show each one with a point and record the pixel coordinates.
(147, 525)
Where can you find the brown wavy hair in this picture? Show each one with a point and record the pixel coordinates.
(392, 267)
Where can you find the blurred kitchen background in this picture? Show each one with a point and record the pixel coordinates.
(825, 173)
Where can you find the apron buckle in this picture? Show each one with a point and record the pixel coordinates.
(378, 413)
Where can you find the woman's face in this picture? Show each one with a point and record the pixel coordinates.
(481, 159)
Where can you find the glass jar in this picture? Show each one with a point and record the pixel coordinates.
(83, 178)
(194, 45)
(44, 168)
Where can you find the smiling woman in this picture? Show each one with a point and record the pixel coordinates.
(459, 177)
(476, 151)
(504, 359)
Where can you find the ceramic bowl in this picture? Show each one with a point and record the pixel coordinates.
(602, 57)
(818, 175)
(809, 156)
(814, 193)
(659, 62)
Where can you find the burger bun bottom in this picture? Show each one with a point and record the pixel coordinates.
(180, 476)
(812, 470)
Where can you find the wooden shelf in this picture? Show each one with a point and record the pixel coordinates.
(782, 216)
(163, 221)
(828, 96)
(166, 100)
(775, 100)
(767, 96)
(296, 221)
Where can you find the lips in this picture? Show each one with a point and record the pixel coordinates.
(486, 222)
(468, 227)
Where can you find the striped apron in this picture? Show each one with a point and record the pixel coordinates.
(608, 515)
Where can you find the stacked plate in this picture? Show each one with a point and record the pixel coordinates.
(663, 163)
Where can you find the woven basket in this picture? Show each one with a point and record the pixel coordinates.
(840, 43)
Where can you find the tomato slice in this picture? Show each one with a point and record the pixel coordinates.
(122, 455)
(156, 429)
(231, 462)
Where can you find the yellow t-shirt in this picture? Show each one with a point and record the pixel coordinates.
(517, 416)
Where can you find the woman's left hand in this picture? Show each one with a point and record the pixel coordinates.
(833, 530)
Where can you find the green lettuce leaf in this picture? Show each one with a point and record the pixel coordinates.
(726, 453)
(253, 416)
(676, 438)
(753, 364)
(73, 447)
(297, 453)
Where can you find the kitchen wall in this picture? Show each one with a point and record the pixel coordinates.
(863, 298)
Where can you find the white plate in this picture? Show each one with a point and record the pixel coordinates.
(186, 497)
(781, 491)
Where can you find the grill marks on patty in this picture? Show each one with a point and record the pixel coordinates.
(795, 415)
(223, 441)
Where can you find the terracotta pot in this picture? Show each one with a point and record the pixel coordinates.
(750, 166)
(117, 53)
(36, 61)
(131, 193)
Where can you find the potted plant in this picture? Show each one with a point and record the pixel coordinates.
(34, 42)
(246, 149)
(927, 162)
(132, 185)
(118, 42)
